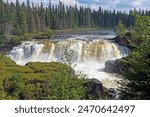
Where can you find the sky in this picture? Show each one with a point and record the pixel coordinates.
(124, 5)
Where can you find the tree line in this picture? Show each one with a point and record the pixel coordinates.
(26, 18)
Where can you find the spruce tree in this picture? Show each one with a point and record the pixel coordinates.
(1, 22)
(30, 18)
(20, 20)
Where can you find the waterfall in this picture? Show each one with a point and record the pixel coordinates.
(91, 55)
(94, 50)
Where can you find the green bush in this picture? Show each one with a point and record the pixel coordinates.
(120, 29)
(43, 35)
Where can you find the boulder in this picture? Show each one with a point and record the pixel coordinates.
(94, 89)
(117, 66)
(110, 67)
(121, 41)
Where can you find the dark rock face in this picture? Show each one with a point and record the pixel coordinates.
(121, 41)
(110, 67)
(117, 66)
(96, 90)
(112, 93)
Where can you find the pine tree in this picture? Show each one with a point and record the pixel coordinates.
(30, 18)
(48, 17)
(20, 22)
(1, 22)
(81, 17)
(62, 16)
(36, 19)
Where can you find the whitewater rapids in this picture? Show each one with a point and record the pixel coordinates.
(91, 55)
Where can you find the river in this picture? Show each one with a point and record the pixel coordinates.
(91, 49)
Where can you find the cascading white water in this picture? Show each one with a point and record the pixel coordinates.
(95, 50)
(91, 54)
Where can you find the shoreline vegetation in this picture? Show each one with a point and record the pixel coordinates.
(22, 22)
(136, 67)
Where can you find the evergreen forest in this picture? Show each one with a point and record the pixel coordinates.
(23, 21)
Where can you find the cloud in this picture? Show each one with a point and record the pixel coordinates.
(123, 5)
(141, 4)
(69, 2)
(136, 3)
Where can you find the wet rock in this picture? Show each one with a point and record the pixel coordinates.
(112, 93)
(117, 66)
(94, 89)
(121, 41)
(124, 40)
(110, 67)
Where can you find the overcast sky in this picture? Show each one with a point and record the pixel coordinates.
(123, 5)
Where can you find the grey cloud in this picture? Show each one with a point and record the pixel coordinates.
(107, 4)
